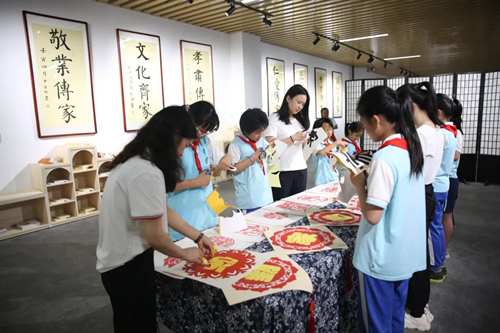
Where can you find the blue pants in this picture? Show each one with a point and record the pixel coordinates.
(437, 247)
(381, 305)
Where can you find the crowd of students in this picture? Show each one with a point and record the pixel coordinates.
(406, 198)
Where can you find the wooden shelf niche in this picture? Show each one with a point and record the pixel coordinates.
(103, 172)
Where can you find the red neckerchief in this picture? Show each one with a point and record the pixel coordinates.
(194, 146)
(398, 142)
(358, 150)
(254, 146)
(451, 128)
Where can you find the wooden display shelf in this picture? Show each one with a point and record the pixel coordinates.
(86, 193)
(6, 199)
(95, 213)
(68, 220)
(13, 231)
(61, 203)
(59, 184)
(106, 175)
(84, 171)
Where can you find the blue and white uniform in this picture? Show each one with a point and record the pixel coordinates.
(323, 172)
(388, 253)
(251, 185)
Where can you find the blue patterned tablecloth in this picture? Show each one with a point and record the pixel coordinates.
(190, 306)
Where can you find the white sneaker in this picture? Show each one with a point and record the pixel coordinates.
(428, 313)
(422, 324)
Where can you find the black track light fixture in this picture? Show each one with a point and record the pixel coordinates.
(316, 41)
(385, 64)
(266, 21)
(401, 72)
(370, 59)
(336, 46)
(359, 55)
(231, 9)
(190, 1)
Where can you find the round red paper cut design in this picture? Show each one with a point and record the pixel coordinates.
(310, 239)
(222, 241)
(274, 273)
(335, 217)
(333, 189)
(313, 198)
(223, 264)
(254, 230)
(294, 206)
(171, 261)
(275, 216)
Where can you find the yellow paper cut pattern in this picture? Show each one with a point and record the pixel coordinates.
(301, 238)
(216, 202)
(264, 273)
(219, 264)
(274, 176)
(338, 217)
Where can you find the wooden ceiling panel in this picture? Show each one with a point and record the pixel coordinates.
(450, 35)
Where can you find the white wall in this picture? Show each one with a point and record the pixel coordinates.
(290, 57)
(20, 144)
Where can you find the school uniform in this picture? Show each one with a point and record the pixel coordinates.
(251, 185)
(453, 191)
(323, 172)
(441, 187)
(388, 253)
(191, 203)
(135, 191)
(419, 287)
(293, 175)
(352, 147)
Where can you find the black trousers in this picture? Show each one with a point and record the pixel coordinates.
(292, 182)
(419, 288)
(132, 290)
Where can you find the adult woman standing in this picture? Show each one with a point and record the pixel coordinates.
(288, 125)
(134, 216)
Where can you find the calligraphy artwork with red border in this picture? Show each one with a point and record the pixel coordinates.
(335, 217)
(304, 239)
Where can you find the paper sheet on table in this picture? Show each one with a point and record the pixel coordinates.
(278, 273)
(304, 239)
(330, 189)
(290, 208)
(311, 199)
(347, 188)
(252, 234)
(272, 219)
(314, 137)
(231, 220)
(335, 218)
(274, 176)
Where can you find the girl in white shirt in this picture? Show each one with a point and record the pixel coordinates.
(288, 125)
(134, 215)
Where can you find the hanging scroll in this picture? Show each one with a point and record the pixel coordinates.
(320, 85)
(197, 72)
(275, 84)
(337, 94)
(300, 75)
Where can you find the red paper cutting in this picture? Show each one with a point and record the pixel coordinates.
(313, 198)
(335, 217)
(275, 216)
(171, 261)
(254, 230)
(222, 241)
(302, 239)
(223, 264)
(294, 206)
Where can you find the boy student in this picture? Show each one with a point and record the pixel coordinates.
(251, 178)
(325, 114)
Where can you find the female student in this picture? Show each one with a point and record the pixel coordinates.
(323, 172)
(251, 179)
(353, 132)
(432, 140)
(441, 187)
(288, 125)
(134, 218)
(390, 244)
(189, 196)
(452, 115)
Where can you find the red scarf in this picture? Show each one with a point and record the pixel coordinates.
(451, 128)
(254, 146)
(194, 146)
(398, 142)
(358, 150)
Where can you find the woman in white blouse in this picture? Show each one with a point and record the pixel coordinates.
(288, 125)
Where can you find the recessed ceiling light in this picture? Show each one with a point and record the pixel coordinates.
(360, 38)
(406, 57)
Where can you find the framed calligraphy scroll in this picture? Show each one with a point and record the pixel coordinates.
(275, 84)
(337, 94)
(141, 77)
(197, 72)
(300, 75)
(320, 85)
(61, 75)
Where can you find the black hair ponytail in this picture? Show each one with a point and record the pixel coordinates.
(457, 114)
(425, 99)
(346, 129)
(384, 101)
(355, 127)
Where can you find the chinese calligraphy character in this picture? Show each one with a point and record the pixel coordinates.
(145, 110)
(264, 273)
(275, 70)
(197, 57)
(63, 89)
(199, 93)
(313, 136)
(219, 264)
(140, 71)
(43, 50)
(197, 75)
(300, 238)
(67, 115)
(62, 68)
(143, 88)
(141, 47)
(59, 40)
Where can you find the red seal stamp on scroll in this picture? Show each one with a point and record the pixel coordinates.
(171, 262)
(294, 206)
(313, 198)
(223, 264)
(302, 239)
(335, 217)
(222, 241)
(274, 273)
(275, 216)
(254, 230)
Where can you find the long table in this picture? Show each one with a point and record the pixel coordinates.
(190, 306)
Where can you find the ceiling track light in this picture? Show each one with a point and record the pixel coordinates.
(190, 1)
(266, 21)
(359, 55)
(316, 41)
(385, 64)
(231, 9)
(370, 59)
(401, 72)
(336, 46)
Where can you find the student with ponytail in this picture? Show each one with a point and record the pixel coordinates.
(353, 132)
(424, 102)
(451, 112)
(390, 244)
